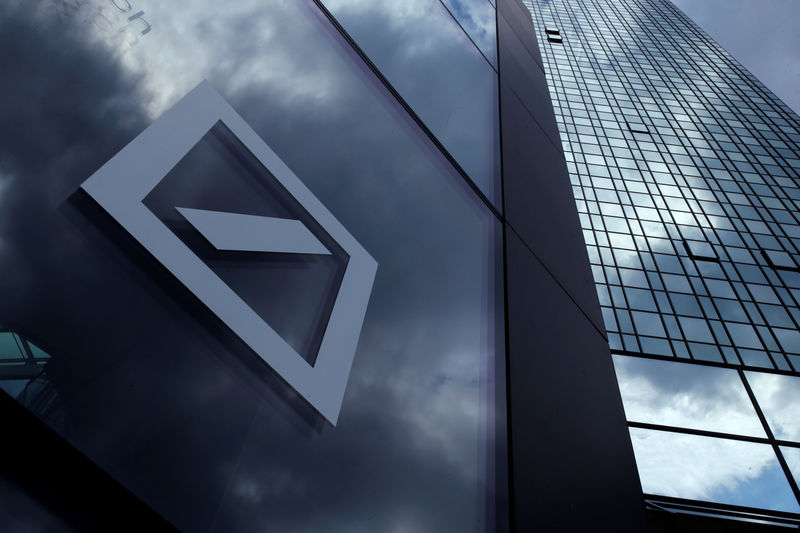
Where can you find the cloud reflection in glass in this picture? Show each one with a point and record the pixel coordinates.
(779, 398)
(685, 395)
(711, 469)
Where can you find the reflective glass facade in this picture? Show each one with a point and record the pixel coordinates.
(686, 173)
(441, 58)
(187, 190)
(124, 360)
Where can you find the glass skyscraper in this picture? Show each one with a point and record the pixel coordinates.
(686, 173)
(326, 265)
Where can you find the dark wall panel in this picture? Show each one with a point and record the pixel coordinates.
(538, 198)
(519, 19)
(520, 71)
(539, 203)
(572, 460)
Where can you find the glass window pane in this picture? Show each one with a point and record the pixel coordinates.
(685, 395)
(37, 352)
(13, 387)
(156, 389)
(779, 399)
(710, 469)
(477, 17)
(9, 346)
(792, 456)
(695, 329)
(437, 70)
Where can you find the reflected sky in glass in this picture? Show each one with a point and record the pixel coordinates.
(431, 62)
(711, 469)
(673, 187)
(685, 395)
(654, 181)
(779, 398)
(161, 395)
(792, 456)
(477, 17)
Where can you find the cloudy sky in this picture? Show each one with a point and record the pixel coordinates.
(761, 34)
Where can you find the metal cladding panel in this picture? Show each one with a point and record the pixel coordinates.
(572, 461)
(573, 466)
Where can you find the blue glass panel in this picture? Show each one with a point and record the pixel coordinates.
(9, 346)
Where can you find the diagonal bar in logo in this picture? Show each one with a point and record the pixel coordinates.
(121, 185)
(251, 233)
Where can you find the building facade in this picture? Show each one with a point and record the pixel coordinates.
(326, 265)
(685, 172)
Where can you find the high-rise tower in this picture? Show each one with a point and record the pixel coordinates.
(685, 170)
(317, 265)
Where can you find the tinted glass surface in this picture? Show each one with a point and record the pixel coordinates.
(437, 68)
(477, 18)
(143, 379)
(686, 174)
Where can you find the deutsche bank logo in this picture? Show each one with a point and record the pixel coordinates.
(121, 185)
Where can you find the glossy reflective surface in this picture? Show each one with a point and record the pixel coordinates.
(156, 390)
(684, 169)
(438, 70)
(779, 398)
(792, 456)
(674, 394)
(684, 211)
(716, 470)
(477, 18)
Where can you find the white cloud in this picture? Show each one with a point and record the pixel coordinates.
(690, 466)
(779, 398)
(684, 395)
(792, 456)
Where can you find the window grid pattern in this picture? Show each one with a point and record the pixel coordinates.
(686, 175)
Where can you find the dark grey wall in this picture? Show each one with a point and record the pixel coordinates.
(572, 462)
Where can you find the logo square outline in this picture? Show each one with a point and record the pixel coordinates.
(120, 187)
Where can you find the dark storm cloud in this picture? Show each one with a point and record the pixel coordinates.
(162, 396)
(762, 35)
